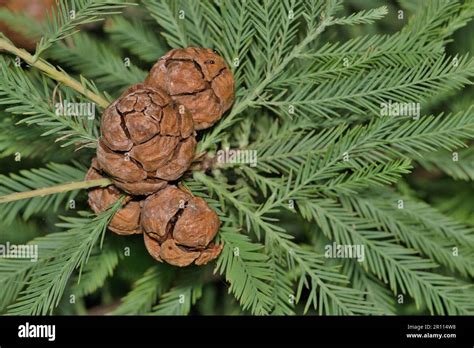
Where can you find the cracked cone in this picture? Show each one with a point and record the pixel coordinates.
(147, 140)
(179, 228)
(126, 221)
(197, 78)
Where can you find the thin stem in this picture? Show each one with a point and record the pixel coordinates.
(52, 72)
(54, 189)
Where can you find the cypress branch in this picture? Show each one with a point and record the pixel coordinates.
(52, 72)
(330, 166)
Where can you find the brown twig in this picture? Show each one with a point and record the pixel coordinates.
(52, 72)
(55, 189)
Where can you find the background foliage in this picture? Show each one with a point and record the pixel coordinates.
(310, 77)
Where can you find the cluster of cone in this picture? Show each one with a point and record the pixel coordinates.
(148, 141)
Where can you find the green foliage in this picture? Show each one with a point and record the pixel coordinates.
(69, 15)
(430, 239)
(367, 90)
(179, 299)
(335, 298)
(26, 180)
(94, 274)
(282, 285)
(166, 14)
(146, 291)
(396, 265)
(377, 294)
(136, 36)
(101, 63)
(60, 254)
(245, 268)
(459, 166)
(235, 22)
(35, 96)
(28, 142)
(311, 78)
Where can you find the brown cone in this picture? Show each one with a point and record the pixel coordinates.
(126, 221)
(179, 227)
(197, 78)
(146, 140)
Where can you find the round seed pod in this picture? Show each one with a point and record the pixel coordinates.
(147, 140)
(126, 220)
(179, 228)
(197, 78)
